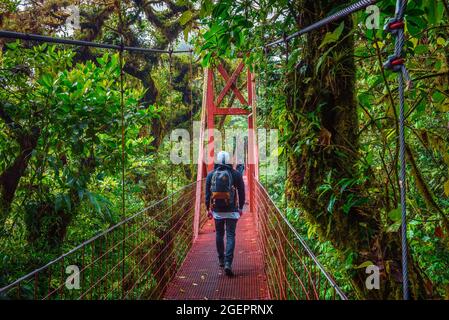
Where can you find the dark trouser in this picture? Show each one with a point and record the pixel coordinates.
(230, 238)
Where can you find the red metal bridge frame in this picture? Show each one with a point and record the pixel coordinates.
(210, 109)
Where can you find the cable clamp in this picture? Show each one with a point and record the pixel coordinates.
(394, 63)
(393, 25)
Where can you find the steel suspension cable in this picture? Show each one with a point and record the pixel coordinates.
(396, 63)
(83, 43)
(360, 5)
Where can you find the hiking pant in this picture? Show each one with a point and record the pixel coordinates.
(230, 225)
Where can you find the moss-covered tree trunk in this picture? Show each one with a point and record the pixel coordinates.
(324, 125)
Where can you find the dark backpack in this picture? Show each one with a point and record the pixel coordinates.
(222, 189)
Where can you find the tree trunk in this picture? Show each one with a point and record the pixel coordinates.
(324, 126)
(10, 178)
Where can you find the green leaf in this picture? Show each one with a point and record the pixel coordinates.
(345, 183)
(364, 265)
(332, 37)
(446, 188)
(277, 152)
(206, 8)
(12, 45)
(441, 41)
(58, 202)
(94, 202)
(330, 206)
(395, 214)
(186, 33)
(68, 202)
(206, 60)
(185, 17)
(46, 80)
(394, 227)
(421, 49)
(323, 189)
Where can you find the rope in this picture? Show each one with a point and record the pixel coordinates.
(396, 63)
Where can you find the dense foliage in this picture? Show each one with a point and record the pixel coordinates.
(62, 125)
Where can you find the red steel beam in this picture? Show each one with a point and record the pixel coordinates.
(251, 145)
(201, 172)
(212, 110)
(230, 83)
(231, 111)
(210, 120)
(234, 88)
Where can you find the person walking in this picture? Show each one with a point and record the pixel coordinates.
(223, 184)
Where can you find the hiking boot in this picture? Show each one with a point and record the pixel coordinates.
(228, 270)
(221, 262)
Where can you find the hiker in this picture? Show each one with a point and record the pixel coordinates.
(240, 168)
(222, 186)
(239, 155)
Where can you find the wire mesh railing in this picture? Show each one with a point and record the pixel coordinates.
(292, 270)
(134, 259)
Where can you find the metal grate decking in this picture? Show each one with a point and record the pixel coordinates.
(200, 277)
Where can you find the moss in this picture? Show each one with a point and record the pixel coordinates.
(358, 234)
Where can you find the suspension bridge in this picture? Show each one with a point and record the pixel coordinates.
(167, 250)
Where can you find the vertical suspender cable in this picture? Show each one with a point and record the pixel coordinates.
(191, 89)
(287, 49)
(191, 102)
(403, 189)
(170, 87)
(396, 63)
(287, 101)
(266, 115)
(122, 104)
(122, 110)
(400, 9)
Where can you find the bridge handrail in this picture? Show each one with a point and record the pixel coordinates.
(304, 245)
(99, 235)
